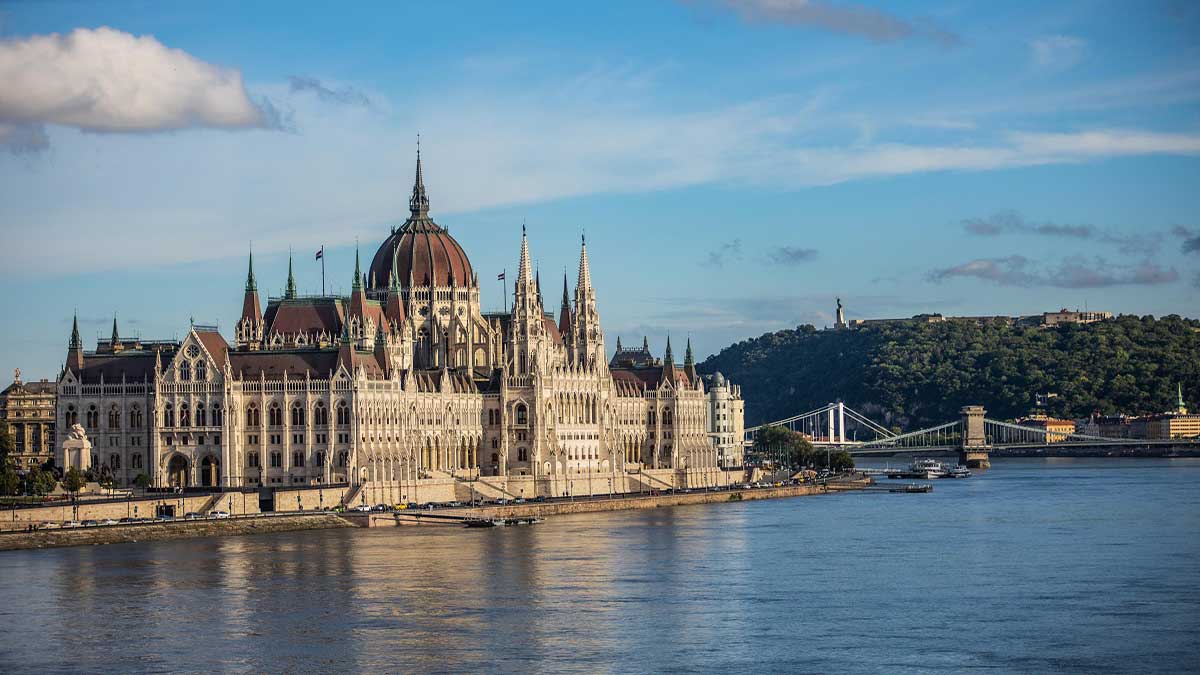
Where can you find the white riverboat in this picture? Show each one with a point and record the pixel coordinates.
(928, 468)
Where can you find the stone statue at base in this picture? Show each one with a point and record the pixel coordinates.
(76, 450)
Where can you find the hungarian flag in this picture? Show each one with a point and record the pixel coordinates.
(320, 254)
(500, 277)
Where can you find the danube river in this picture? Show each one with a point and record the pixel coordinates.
(1081, 565)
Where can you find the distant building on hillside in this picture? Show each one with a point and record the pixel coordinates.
(1064, 315)
(1056, 430)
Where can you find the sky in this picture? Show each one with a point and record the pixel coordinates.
(736, 165)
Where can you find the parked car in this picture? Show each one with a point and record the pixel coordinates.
(501, 502)
(362, 508)
(539, 499)
(49, 526)
(412, 505)
(455, 504)
(218, 514)
(72, 523)
(91, 523)
(400, 507)
(381, 507)
(165, 518)
(519, 500)
(108, 521)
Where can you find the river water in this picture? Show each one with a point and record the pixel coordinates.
(1079, 565)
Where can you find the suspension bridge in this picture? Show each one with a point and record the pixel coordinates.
(973, 435)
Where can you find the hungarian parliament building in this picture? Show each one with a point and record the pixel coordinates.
(405, 381)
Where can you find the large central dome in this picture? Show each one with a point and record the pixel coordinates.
(423, 252)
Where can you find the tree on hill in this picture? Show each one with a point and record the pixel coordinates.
(913, 374)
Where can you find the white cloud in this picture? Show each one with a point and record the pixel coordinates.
(848, 18)
(105, 80)
(1057, 52)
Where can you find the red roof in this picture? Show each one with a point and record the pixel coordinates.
(424, 252)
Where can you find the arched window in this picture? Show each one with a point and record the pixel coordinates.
(114, 461)
(253, 417)
(275, 415)
(114, 417)
(93, 417)
(320, 414)
(135, 417)
(168, 416)
(135, 461)
(185, 417)
(72, 416)
(201, 371)
(667, 418)
(185, 371)
(343, 414)
(297, 414)
(522, 414)
(201, 416)
(216, 416)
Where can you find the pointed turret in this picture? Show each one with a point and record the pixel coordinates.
(524, 272)
(75, 347)
(248, 333)
(588, 337)
(619, 347)
(290, 292)
(115, 340)
(1180, 406)
(564, 312)
(358, 299)
(395, 307)
(645, 344)
(689, 363)
(418, 204)
(668, 371)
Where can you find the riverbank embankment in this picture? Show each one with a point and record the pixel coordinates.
(164, 531)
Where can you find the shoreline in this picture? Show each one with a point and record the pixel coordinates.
(298, 521)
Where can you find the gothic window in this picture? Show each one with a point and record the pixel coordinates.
(298, 414)
(185, 417)
(522, 455)
(252, 460)
(93, 417)
(650, 418)
(201, 416)
(343, 414)
(276, 460)
(135, 417)
(185, 371)
(275, 415)
(135, 461)
(253, 418)
(216, 416)
(298, 459)
(72, 416)
(522, 414)
(114, 462)
(201, 371)
(343, 458)
(320, 414)
(667, 419)
(114, 417)
(168, 416)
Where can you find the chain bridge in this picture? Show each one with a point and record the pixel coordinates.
(973, 435)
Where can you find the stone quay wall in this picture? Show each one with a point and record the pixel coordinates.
(186, 529)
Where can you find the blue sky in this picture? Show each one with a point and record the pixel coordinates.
(736, 164)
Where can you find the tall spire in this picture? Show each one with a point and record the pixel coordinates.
(619, 343)
(566, 300)
(524, 273)
(418, 204)
(290, 292)
(645, 344)
(251, 284)
(76, 341)
(585, 270)
(564, 312)
(357, 286)
(669, 358)
(687, 359)
(1180, 406)
(116, 337)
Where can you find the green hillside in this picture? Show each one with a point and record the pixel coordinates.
(924, 373)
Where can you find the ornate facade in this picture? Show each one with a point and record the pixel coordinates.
(406, 380)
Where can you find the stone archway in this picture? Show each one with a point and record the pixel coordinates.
(177, 471)
(210, 471)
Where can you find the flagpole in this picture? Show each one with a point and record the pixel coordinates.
(322, 270)
(505, 280)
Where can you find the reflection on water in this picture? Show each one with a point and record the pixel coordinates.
(1077, 565)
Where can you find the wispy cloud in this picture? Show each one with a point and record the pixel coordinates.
(730, 251)
(847, 18)
(1075, 272)
(1191, 238)
(792, 255)
(345, 94)
(1011, 222)
(1055, 53)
